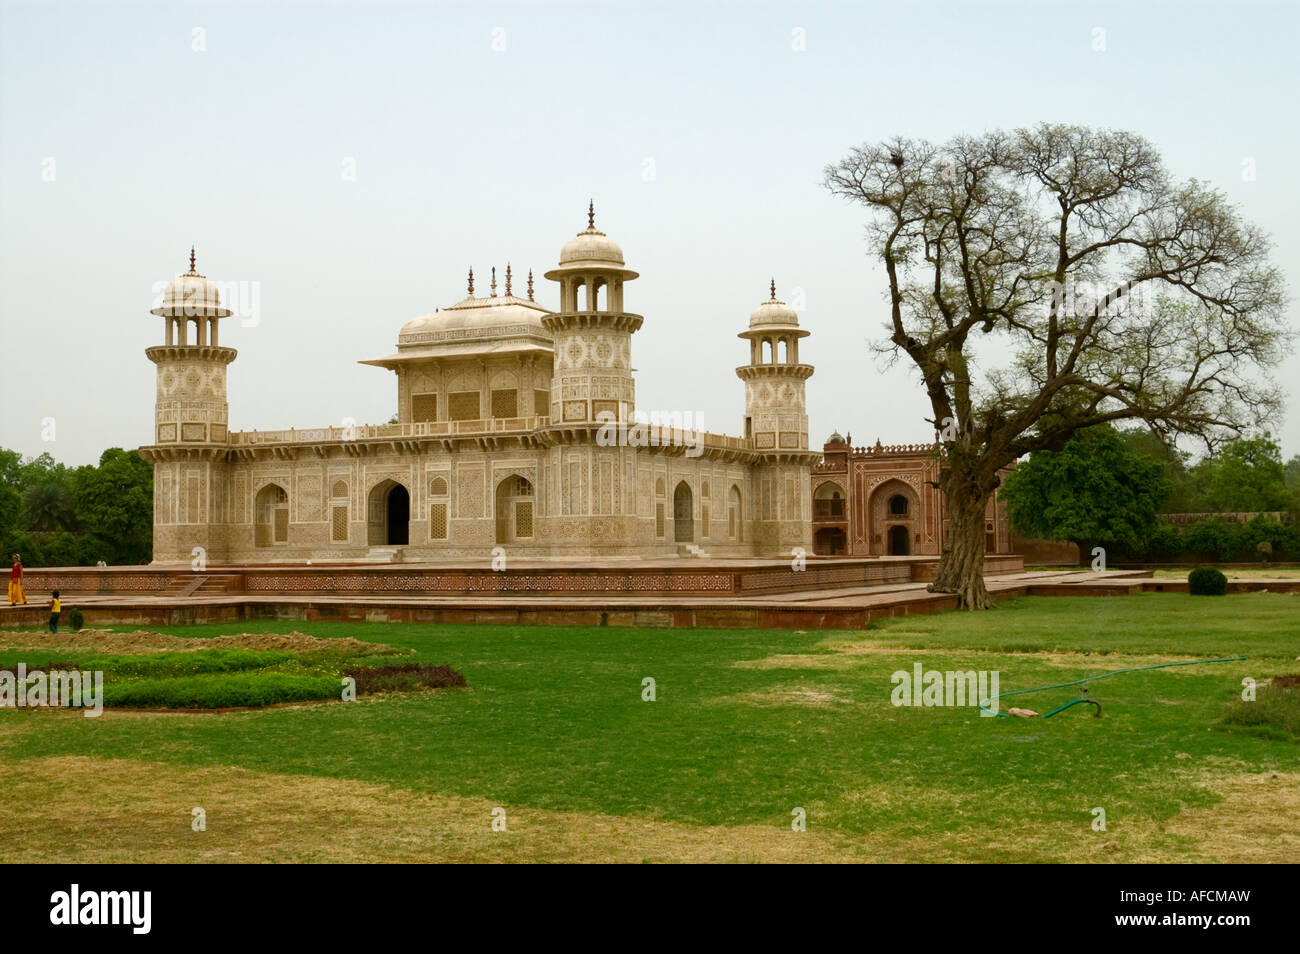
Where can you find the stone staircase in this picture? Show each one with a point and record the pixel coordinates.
(690, 550)
(184, 585)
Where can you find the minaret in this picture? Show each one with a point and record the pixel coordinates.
(776, 425)
(592, 332)
(591, 502)
(190, 420)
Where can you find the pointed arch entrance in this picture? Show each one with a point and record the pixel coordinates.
(271, 507)
(514, 509)
(388, 515)
(683, 516)
(894, 508)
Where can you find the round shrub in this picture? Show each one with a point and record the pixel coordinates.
(1206, 581)
(76, 619)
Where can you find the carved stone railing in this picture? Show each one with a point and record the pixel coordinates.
(896, 449)
(414, 429)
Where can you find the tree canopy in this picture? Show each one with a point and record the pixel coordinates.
(1095, 491)
(61, 516)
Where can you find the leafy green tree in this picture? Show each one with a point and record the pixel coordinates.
(23, 543)
(1265, 537)
(1163, 542)
(1247, 475)
(43, 469)
(1094, 491)
(11, 486)
(1196, 491)
(1292, 475)
(1173, 462)
(115, 504)
(47, 507)
(1214, 537)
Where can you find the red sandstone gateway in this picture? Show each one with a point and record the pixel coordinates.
(885, 501)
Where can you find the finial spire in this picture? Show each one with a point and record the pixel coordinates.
(591, 214)
(494, 281)
(471, 281)
(530, 284)
(191, 258)
(507, 279)
(773, 289)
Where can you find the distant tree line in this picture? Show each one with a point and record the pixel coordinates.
(55, 515)
(1116, 488)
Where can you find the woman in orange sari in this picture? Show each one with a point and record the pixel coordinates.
(16, 594)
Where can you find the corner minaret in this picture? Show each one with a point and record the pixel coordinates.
(592, 332)
(776, 424)
(590, 502)
(190, 419)
(776, 416)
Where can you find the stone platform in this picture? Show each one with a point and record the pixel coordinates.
(828, 594)
(673, 577)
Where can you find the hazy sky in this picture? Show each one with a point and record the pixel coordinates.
(478, 133)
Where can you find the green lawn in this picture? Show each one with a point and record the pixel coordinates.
(749, 725)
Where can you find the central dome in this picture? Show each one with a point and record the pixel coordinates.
(475, 324)
(474, 327)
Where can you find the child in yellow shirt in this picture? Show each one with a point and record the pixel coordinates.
(56, 606)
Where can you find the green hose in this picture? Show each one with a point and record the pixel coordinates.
(1075, 702)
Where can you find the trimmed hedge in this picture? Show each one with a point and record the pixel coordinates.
(223, 691)
(1206, 581)
(190, 663)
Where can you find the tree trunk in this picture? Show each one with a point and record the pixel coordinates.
(961, 568)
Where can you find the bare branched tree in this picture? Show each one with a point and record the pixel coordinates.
(1110, 291)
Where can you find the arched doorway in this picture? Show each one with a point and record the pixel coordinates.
(830, 541)
(399, 517)
(514, 509)
(735, 525)
(683, 519)
(828, 501)
(388, 515)
(272, 510)
(894, 515)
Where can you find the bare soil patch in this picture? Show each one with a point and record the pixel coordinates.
(789, 696)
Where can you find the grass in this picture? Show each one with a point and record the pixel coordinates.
(1275, 713)
(746, 727)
